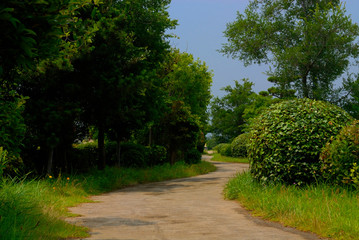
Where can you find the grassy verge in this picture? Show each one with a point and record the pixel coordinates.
(327, 211)
(35, 209)
(219, 158)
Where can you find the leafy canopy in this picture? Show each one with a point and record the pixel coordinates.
(307, 42)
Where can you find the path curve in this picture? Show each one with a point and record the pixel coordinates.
(181, 209)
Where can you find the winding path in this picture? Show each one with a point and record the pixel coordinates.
(191, 208)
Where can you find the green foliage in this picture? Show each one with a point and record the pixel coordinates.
(211, 143)
(30, 210)
(219, 147)
(133, 155)
(309, 43)
(340, 158)
(239, 145)
(84, 156)
(232, 113)
(350, 101)
(41, 33)
(157, 155)
(3, 162)
(192, 156)
(181, 130)
(331, 212)
(287, 139)
(224, 149)
(189, 80)
(228, 112)
(12, 127)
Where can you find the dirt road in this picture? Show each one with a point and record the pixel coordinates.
(187, 209)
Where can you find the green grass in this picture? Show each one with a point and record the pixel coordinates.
(219, 158)
(35, 209)
(330, 212)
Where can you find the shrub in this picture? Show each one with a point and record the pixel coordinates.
(226, 150)
(218, 147)
(340, 158)
(84, 156)
(239, 145)
(193, 156)
(157, 155)
(287, 139)
(133, 155)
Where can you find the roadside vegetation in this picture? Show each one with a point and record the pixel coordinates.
(90, 85)
(301, 135)
(219, 158)
(35, 209)
(329, 211)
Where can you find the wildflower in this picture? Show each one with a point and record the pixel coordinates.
(54, 188)
(50, 176)
(68, 179)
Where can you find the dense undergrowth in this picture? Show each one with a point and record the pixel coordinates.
(35, 209)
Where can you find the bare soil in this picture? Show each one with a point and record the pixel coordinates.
(191, 208)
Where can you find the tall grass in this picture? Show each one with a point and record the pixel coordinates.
(328, 211)
(35, 209)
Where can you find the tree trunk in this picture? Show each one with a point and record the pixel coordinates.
(101, 147)
(50, 161)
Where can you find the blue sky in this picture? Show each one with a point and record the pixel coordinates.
(200, 32)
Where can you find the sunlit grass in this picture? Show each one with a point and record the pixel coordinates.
(36, 209)
(328, 211)
(219, 158)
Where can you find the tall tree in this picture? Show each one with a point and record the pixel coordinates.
(186, 85)
(118, 75)
(35, 35)
(231, 113)
(189, 80)
(308, 43)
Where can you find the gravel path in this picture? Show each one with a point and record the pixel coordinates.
(191, 208)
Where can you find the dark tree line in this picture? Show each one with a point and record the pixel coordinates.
(70, 66)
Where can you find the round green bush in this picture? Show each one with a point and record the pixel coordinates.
(239, 145)
(225, 150)
(218, 147)
(287, 139)
(340, 158)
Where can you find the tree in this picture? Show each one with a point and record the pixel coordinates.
(189, 80)
(227, 112)
(350, 101)
(186, 87)
(231, 113)
(308, 42)
(117, 77)
(36, 35)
